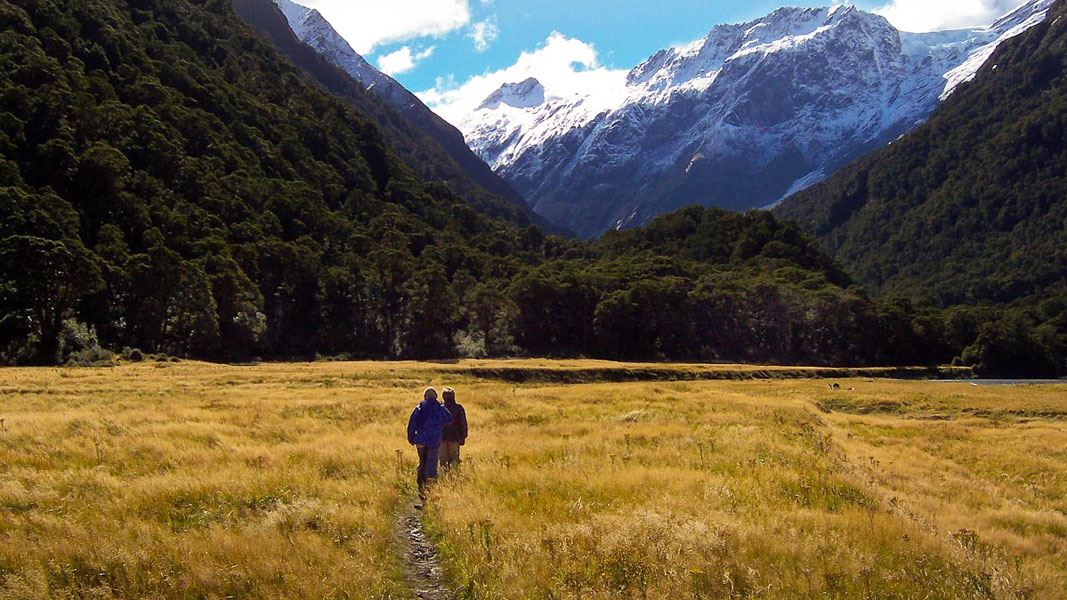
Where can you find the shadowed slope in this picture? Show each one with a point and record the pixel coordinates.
(434, 149)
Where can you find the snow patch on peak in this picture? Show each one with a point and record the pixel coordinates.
(315, 31)
(1023, 14)
(1005, 28)
(526, 94)
(301, 18)
(696, 66)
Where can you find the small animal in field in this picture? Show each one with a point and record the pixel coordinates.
(834, 386)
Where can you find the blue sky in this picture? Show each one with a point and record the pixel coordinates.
(624, 32)
(437, 47)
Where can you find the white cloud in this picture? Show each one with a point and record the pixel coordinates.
(931, 15)
(403, 60)
(564, 66)
(369, 23)
(484, 33)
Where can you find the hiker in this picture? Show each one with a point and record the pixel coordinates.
(427, 422)
(455, 435)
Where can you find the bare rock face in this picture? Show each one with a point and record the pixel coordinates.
(739, 119)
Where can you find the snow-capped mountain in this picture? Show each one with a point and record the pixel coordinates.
(1008, 26)
(528, 94)
(740, 119)
(314, 30)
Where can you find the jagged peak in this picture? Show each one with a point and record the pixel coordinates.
(294, 12)
(800, 22)
(524, 94)
(782, 28)
(304, 20)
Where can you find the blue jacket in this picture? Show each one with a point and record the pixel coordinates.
(427, 422)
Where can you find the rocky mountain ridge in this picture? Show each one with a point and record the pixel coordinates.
(740, 119)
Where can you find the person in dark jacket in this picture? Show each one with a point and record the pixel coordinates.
(427, 422)
(455, 435)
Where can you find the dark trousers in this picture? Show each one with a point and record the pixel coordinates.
(428, 457)
(449, 454)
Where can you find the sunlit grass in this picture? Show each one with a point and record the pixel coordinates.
(196, 481)
(703, 490)
(200, 481)
(995, 484)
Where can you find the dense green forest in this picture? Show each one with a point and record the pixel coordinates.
(971, 208)
(169, 183)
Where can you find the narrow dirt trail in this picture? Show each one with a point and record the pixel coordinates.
(422, 567)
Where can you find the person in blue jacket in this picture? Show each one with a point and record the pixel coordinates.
(425, 426)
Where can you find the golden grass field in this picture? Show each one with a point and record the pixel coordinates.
(189, 480)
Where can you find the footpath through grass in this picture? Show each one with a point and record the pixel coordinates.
(190, 481)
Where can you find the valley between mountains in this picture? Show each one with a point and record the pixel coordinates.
(740, 119)
(234, 182)
(777, 314)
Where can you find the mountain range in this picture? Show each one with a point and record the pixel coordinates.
(190, 178)
(739, 119)
(971, 207)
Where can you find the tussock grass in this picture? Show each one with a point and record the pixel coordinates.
(990, 473)
(188, 480)
(197, 481)
(712, 490)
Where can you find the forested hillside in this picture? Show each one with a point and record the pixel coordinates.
(169, 183)
(971, 208)
(433, 149)
(972, 205)
(179, 188)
